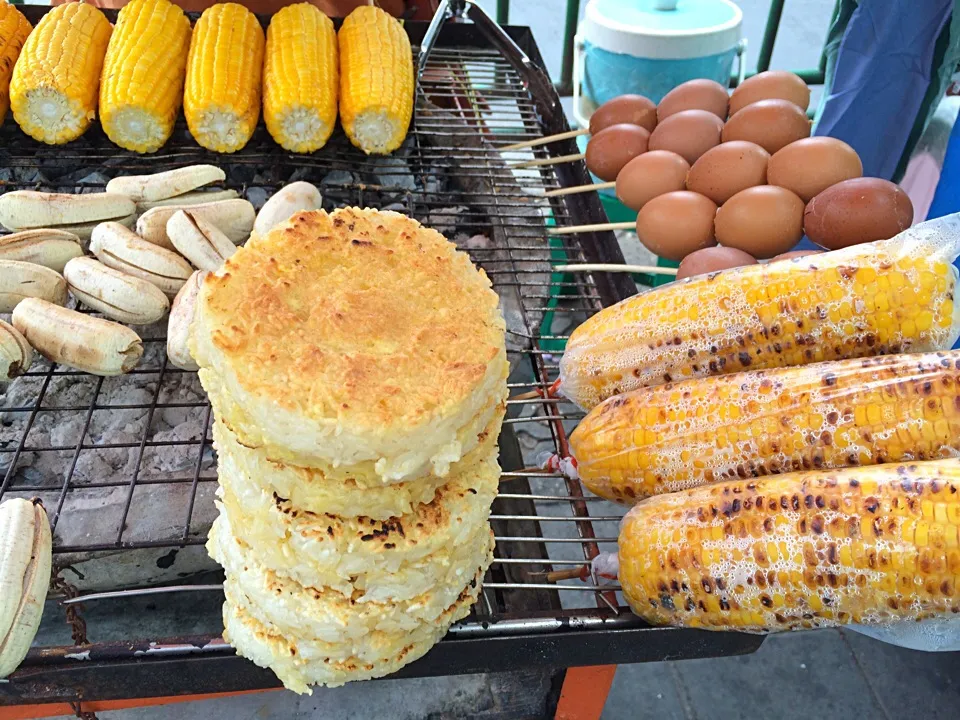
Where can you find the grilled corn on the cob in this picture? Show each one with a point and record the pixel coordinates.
(836, 414)
(222, 94)
(886, 297)
(14, 28)
(53, 91)
(300, 78)
(376, 80)
(25, 566)
(142, 84)
(803, 550)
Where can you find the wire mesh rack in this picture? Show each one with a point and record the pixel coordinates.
(127, 463)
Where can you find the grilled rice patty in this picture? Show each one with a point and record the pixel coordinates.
(300, 663)
(341, 494)
(324, 614)
(374, 556)
(352, 336)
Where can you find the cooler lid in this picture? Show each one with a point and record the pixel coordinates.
(662, 29)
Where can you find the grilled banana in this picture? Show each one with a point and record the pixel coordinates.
(26, 559)
(28, 209)
(188, 199)
(16, 355)
(181, 316)
(233, 217)
(19, 280)
(120, 248)
(167, 184)
(199, 241)
(117, 295)
(50, 248)
(67, 337)
(293, 198)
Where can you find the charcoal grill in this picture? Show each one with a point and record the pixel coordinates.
(480, 87)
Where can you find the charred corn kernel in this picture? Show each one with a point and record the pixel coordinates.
(300, 78)
(53, 91)
(821, 309)
(376, 80)
(823, 580)
(828, 415)
(14, 28)
(142, 83)
(222, 92)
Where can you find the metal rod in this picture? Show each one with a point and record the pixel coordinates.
(769, 35)
(140, 591)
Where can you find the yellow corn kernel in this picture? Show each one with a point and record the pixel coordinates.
(142, 83)
(829, 415)
(53, 91)
(376, 80)
(14, 28)
(300, 78)
(221, 98)
(821, 312)
(831, 581)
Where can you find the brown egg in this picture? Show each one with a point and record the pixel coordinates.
(612, 148)
(857, 211)
(624, 110)
(675, 224)
(794, 254)
(763, 221)
(649, 175)
(688, 133)
(771, 124)
(771, 85)
(700, 94)
(810, 166)
(713, 259)
(725, 170)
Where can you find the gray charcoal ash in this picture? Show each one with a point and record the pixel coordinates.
(395, 207)
(338, 177)
(444, 220)
(303, 173)
(257, 196)
(30, 176)
(394, 172)
(6, 175)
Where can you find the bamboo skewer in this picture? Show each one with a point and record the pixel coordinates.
(546, 161)
(544, 140)
(599, 227)
(581, 188)
(612, 267)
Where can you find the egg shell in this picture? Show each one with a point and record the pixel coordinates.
(713, 259)
(794, 254)
(699, 94)
(857, 211)
(809, 166)
(625, 109)
(771, 85)
(771, 124)
(649, 175)
(764, 221)
(689, 133)
(676, 224)
(723, 171)
(610, 149)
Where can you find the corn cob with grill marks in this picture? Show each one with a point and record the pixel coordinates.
(828, 415)
(53, 91)
(886, 297)
(221, 98)
(300, 78)
(376, 80)
(142, 84)
(802, 550)
(14, 28)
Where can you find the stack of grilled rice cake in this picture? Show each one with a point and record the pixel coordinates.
(356, 366)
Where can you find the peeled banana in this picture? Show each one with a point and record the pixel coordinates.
(26, 209)
(178, 327)
(233, 217)
(19, 280)
(50, 248)
(67, 337)
(16, 355)
(167, 184)
(26, 559)
(293, 198)
(121, 249)
(199, 241)
(117, 295)
(189, 199)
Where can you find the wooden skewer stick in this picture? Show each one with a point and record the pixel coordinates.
(544, 140)
(599, 227)
(546, 161)
(611, 267)
(581, 188)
